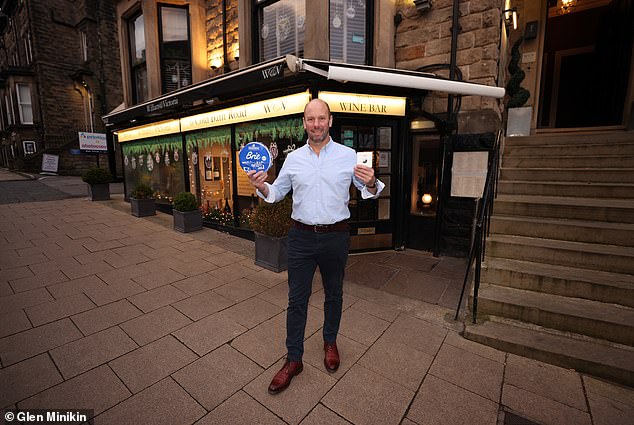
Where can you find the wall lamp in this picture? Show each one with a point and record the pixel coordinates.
(422, 5)
(510, 17)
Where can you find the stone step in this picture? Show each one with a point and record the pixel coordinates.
(585, 355)
(586, 317)
(569, 161)
(573, 189)
(569, 230)
(617, 136)
(611, 258)
(580, 175)
(607, 287)
(574, 208)
(588, 149)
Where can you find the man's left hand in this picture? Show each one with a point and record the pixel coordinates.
(365, 174)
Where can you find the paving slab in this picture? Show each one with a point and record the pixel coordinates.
(100, 318)
(440, 403)
(98, 389)
(202, 305)
(38, 340)
(416, 333)
(154, 325)
(157, 298)
(349, 353)
(76, 286)
(58, 309)
(91, 351)
(209, 333)
(240, 409)
(149, 364)
(555, 383)
(215, 377)
(115, 291)
(469, 371)
(24, 299)
(13, 322)
(365, 397)
(362, 327)
(27, 378)
(252, 312)
(240, 290)
(541, 409)
(322, 415)
(164, 403)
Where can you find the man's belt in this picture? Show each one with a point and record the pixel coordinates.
(341, 226)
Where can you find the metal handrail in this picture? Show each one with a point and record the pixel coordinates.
(482, 226)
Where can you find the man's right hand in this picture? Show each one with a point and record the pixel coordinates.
(257, 180)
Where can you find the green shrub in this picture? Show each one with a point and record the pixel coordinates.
(97, 175)
(142, 191)
(185, 201)
(273, 219)
(517, 95)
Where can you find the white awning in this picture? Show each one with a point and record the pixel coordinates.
(394, 78)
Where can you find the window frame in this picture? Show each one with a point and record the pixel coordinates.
(369, 31)
(21, 102)
(31, 144)
(132, 65)
(256, 7)
(160, 7)
(83, 45)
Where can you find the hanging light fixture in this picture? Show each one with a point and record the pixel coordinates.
(566, 6)
(510, 17)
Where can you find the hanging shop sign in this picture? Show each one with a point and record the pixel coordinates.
(285, 105)
(151, 130)
(364, 103)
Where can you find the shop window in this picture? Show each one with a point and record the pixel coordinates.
(281, 27)
(176, 65)
(281, 137)
(157, 162)
(138, 66)
(210, 175)
(349, 31)
(377, 140)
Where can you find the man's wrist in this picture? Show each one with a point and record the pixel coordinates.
(371, 186)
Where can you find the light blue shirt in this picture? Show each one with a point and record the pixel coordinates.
(321, 184)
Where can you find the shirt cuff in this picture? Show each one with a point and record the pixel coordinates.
(271, 198)
(366, 194)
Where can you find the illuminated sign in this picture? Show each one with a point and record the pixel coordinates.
(150, 130)
(285, 105)
(364, 103)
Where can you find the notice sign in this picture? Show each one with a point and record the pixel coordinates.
(469, 173)
(50, 163)
(92, 142)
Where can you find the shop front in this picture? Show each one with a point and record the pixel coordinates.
(194, 146)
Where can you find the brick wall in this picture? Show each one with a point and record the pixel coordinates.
(425, 39)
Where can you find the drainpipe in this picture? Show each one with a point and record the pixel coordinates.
(450, 127)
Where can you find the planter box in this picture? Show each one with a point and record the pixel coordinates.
(519, 121)
(271, 253)
(142, 207)
(99, 192)
(187, 221)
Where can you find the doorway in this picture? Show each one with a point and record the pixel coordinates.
(586, 64)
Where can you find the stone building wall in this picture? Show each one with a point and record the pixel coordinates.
(214, 35)
(425, 39)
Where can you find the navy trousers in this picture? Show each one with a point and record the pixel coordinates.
(306, 251)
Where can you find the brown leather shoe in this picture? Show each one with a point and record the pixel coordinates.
(331, 358)
(282, 379)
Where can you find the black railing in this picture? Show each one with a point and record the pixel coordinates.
(481, 227)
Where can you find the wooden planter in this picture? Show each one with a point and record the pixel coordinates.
(271, 253)
(142, 207)
(187, 221)
(99, 192)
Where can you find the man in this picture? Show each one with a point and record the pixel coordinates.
(319, 173)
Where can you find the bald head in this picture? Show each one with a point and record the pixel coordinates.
(316, 105)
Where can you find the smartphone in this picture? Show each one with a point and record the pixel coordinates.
(364, 158)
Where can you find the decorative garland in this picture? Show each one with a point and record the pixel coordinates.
(291, 128)
(152, 145)
(207, 138)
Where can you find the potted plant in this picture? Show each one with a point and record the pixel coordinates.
(187, 216)
(519, 117)
(142, 201)
(271, 223)
(98, 180)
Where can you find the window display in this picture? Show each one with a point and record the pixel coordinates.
(156, 162)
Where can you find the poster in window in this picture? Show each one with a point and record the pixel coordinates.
(385, 137)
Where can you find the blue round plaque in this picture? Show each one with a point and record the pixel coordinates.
(255, 156)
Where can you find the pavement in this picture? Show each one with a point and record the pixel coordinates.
(141, 324)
